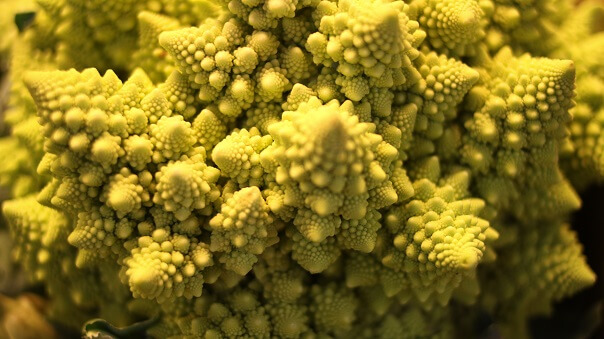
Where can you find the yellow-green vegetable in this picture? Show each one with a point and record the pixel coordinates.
(303, 168)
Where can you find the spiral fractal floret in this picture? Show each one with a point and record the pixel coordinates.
(302, 168)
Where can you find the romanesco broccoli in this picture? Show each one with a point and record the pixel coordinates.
(302, 168)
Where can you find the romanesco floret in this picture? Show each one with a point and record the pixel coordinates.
(435, 241)
(521, 114)
(40, 235)
(525, 284)
(238, 156)
(453, 27)
(242, 230)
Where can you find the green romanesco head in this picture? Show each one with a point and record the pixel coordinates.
(303, 168)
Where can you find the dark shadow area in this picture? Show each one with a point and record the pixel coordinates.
(581, 316)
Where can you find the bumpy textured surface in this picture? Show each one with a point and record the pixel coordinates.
(303, 168)
(531, 282)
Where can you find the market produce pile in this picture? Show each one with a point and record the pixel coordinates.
(302, 168)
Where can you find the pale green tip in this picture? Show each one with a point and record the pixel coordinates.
(144, 281)
(120, 202)
(468, 259)
(467, 18)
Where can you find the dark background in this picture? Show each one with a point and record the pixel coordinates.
(577, 316)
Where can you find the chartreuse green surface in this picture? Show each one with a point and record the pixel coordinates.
(303, 168)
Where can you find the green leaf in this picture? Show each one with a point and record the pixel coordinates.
(24, 20)
(101, 329)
